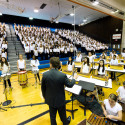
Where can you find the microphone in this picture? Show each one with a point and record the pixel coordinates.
(72, 74)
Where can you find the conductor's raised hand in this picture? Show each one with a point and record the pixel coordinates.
(75, 76)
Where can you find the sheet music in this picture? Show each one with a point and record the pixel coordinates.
(115, 70)
(92, 80)
(76, 89)
(95, 81)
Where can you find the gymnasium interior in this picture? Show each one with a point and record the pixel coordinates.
(63, 29)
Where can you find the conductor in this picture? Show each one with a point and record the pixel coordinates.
(53, 83)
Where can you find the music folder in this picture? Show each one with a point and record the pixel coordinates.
(76, 89)
(86, 85)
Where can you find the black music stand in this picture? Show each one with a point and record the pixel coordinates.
(76, 89)
(7, 102)
(86, 86)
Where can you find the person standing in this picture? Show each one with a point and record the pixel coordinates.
(35, 63)
(5, 67)
(53, 91)
(27, 51)
(21, 63)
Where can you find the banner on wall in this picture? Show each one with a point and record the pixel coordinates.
(116, 36)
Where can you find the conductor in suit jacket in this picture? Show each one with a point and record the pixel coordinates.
(53, 83)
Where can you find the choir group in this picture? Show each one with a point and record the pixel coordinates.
(3, 42)
(62, 43)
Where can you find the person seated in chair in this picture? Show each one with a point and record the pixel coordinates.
(112, 109)
(113, 61)
(103, 54)
(103, 58)
(114, 53)
(123, 54)
(70, 64)
(101, 70)
(121, 95)
(91, 102)
(90, 57)
(85, 66)
(78, 60)
(79, 57)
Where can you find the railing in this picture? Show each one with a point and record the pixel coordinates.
(14, 42)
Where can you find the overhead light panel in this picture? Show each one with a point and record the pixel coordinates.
(85, 20)
(117, 11)
(73, 24)
(72, 14)
(36, 10)
(95, 3)
(112, 12)
(57, 22)
(1, 14)
(31, 18)
(82, 24)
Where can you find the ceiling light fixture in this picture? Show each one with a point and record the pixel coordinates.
(73, 24)
(117, 11)
(82, 24)
(36, 10)
(85, 20)
(1, 14)
(57, 22)
(112, 12)
(72, 14)
(31, 18)
(95, 3)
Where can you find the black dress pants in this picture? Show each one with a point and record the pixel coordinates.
(28, 55)
(5, 84)
(62, 113)
(32, 53)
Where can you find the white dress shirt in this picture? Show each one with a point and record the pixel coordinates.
(34, 64)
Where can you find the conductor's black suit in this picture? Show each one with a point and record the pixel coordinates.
(53, 83)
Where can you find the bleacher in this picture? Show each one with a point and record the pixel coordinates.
(45, 63)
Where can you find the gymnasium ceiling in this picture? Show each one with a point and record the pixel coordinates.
(60, 9)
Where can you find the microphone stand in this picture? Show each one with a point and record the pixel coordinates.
(7, 102)
(2, 108)
(92, 66)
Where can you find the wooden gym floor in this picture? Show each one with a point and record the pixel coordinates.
(32, 115)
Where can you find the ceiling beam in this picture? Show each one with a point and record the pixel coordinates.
(93, 8)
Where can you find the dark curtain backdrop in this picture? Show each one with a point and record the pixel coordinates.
(103, 29)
